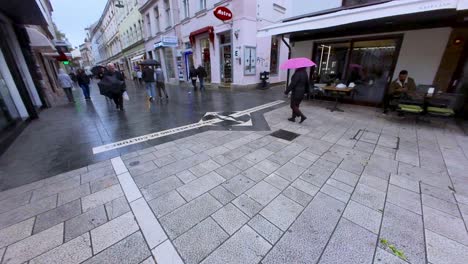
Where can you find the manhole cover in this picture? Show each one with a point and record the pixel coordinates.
(284, 134)
(134, 163)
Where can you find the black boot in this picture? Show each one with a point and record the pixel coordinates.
(292, 119)
(303, 118)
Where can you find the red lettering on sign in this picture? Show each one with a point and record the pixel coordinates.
(222, 13)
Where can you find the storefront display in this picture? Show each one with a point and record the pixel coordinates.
(368, 64)
(206, 58)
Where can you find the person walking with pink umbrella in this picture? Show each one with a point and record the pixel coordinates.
(299, 85)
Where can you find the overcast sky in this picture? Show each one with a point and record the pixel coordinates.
(72, 17)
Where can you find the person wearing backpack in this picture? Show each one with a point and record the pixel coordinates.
(160, 82)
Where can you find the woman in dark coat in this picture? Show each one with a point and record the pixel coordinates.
(298, 87)
(193, 74)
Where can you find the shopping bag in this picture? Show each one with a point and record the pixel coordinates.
(125, 96)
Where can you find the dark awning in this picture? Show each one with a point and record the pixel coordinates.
(23, 12)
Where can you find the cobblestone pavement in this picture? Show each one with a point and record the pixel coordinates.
(354, 187)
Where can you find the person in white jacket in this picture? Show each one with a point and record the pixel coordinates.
(66, 83)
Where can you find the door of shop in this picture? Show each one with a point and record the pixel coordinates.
(225, 47)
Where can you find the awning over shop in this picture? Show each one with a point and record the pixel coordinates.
(39, 40)
(137, 58)
(209, 30)
(361, 14)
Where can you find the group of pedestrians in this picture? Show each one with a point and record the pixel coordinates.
(154, 79)
(200, 74)
(67, 82)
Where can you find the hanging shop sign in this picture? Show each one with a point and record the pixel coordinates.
(222, 13)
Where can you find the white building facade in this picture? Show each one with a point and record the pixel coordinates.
(185, 33)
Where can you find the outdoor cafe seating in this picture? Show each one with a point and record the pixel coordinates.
(427, 101)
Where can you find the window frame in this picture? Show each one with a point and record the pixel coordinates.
(157, 15)
(202, 5)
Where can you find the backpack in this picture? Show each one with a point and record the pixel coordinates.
(159, 76)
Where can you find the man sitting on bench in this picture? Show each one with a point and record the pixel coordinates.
(403, 87)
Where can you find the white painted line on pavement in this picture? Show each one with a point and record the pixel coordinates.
(166, 254)
(152, 230)
(129, 187)
(144, 138)
(118, 165)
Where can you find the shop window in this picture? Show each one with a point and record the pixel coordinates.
(367, 64)
(274, 55)
(169, 59)
(205, 57)
(250, 59)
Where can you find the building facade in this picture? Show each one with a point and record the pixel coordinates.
(86, 54)
(117, 37)
(27, 71)
(185, 33)
(130, 28)
(370, 42)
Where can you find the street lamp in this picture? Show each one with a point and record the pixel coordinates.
(119, 4)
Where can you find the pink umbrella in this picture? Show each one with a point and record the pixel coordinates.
(297, 63)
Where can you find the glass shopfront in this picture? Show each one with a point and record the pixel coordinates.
(169, 59)
(368, 64)
(205, 57)
(226, 57)
(8, 111)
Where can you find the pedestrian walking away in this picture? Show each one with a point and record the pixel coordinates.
(83, 82)
(160, 82)
(139, 76)
(193, 76)
(298, 88)
(201, 72)
(67, 84)
(148, 78)
(114, 85)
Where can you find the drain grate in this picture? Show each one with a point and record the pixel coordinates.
(134, 163)
(284, 134)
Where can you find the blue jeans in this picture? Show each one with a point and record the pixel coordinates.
(202, 83)
(150, 89)
(85, 88)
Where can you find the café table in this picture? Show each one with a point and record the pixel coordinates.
(337, 93)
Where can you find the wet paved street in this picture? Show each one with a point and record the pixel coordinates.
(63, 138)
(353, 187)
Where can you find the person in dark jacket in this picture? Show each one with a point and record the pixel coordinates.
(201, 76)
(193, 74)
(83, 82)
(117, 95)
(148, 78)
(298, 87)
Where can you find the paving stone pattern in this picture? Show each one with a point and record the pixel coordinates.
(349, 186)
